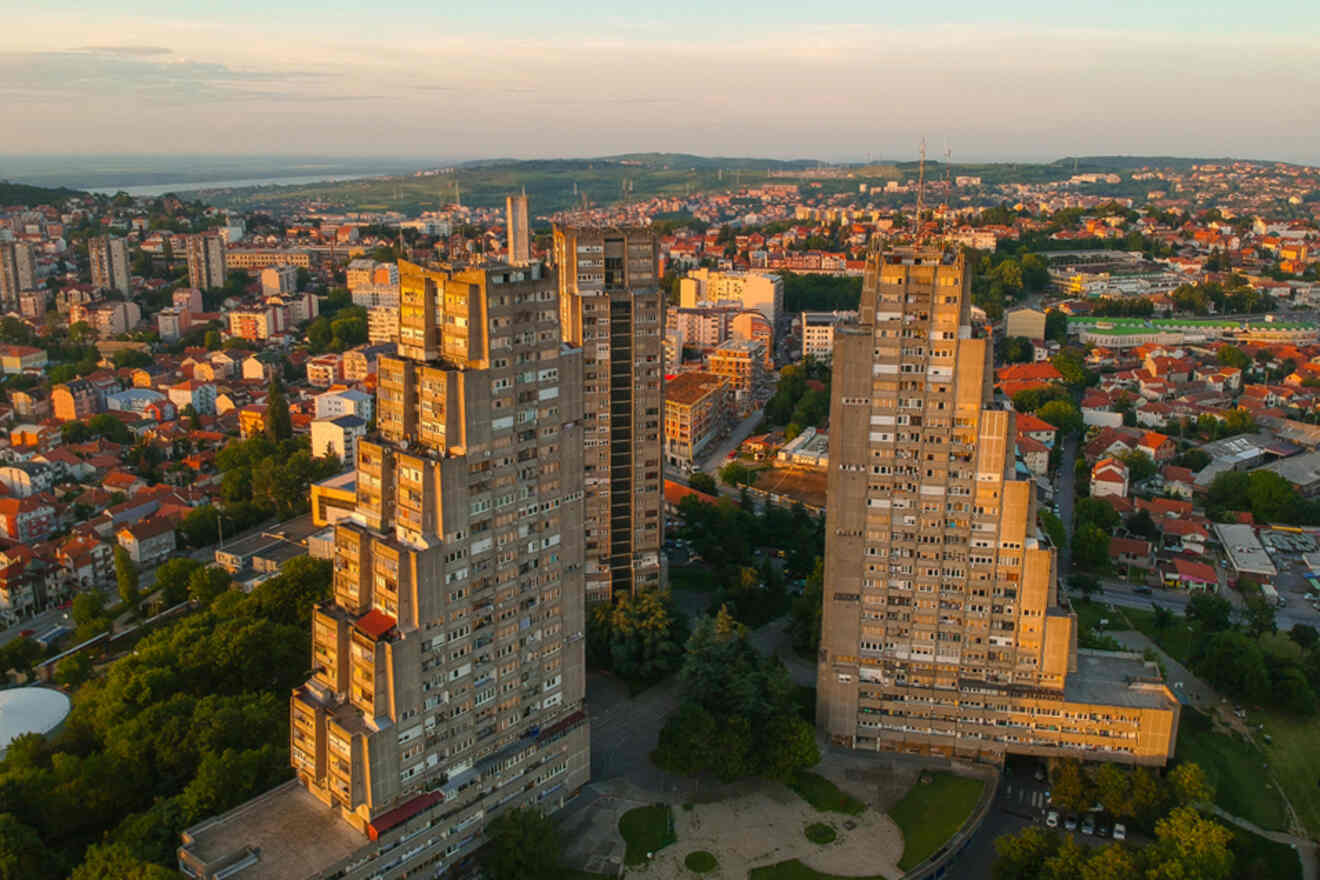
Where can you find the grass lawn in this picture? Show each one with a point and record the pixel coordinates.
(795, 870)
(1176, 639)
(930, 813)
(1236, 769)
(819, 833)
(824, 795)
(1295, 760)
(1255, 858)
(646, 829)
(1090, 633)
(700, 862)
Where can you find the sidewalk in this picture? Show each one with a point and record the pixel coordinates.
(1305, 848)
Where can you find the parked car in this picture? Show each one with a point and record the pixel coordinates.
(1143, 591)
(1088, 825)
(1052, 819)
(1120, 831)
(1070, 823)
(1102, 827)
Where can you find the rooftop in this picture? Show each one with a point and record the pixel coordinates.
(291, 833)
(1112, 678)
(688, 388)
(1245, 552)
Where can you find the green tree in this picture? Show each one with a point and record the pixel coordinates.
(702, 482)
(1090, 547)
(737, 474)
(212, 340)
(1140, 523)
(1067, 863)
(1140, 465)
(1017, 350)
(646, 636)
(201, 525)
(1233, 663)
(1062, 414)
(74, 669)
(1209, 612)
(126, 576)
(88, 606)
(172, 578)
(206, 584)
(1021, 856)
(1069, 787)
(1231, 355)
(279, 423)
(806, 612)
(521, 844)
(1056, 326)
(22, 854)
(1189, 845)
(1190, 785)
(1110, 862)
(1072, 366)
(791, 746)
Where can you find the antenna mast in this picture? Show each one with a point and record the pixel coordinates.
(921, 189)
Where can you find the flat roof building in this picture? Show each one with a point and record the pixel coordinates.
(697, 411)
(942, 628)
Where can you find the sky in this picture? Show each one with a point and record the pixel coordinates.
(843, 80)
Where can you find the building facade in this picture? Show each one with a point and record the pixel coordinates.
(520, 244)
(942, 630)
(18, 271)
(763, 292)
(206, 261)
(697, 411)
(109, 259)
(611, 306)
(450, 672)
(818, 332)
(742, 363)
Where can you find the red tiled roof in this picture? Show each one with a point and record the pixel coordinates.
(375, 623)
(398, 815)
(1197, 571)
(1029, 423)
(676, 492)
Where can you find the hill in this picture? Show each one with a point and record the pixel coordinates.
(23, 194)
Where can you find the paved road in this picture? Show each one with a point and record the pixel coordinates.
(711, 463)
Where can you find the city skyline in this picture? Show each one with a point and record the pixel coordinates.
(863, 83)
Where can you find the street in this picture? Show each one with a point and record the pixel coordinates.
(737, 435)
(1065, 495)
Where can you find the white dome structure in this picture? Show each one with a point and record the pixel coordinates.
(30, 710)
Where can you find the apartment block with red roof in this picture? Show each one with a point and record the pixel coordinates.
(26, 520)
(147, 541)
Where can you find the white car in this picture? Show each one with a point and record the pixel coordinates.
(1052, 819)
(1120, 831)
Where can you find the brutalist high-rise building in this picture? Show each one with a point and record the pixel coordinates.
(611, 305)
(448, 669)
(942, 628)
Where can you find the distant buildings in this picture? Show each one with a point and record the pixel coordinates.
(206, 261)
(279, 280)
(742, 363)
(18, 272)
(818, 332)
(109, 259)
(520, 248)
(763, 292)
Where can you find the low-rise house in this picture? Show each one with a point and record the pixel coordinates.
(1035, 455)
(1189, 574)
(88, 561)
(1179, 481)
(1131, 552)
(1158, 446)
(148, 541)
(26, 520)
(1109, 476)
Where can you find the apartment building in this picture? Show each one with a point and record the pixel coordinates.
(18, 271)
(73, 400)
(206, 260)
(761, 291)
(338, 436)
(109, 259)
(520, 245)
(751, 324)
(279, 280)
(382, 324)
(611, 306)
(697, 411)
(818, 332)
(108, 317)
(742, 363)
(260, 258)
(942, 630)
(450, 672)
(258, 322)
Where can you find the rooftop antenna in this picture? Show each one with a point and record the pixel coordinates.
(921, 188)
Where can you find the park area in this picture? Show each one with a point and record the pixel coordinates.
(811, 829)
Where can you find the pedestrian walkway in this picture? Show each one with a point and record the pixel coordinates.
(1306, 850)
